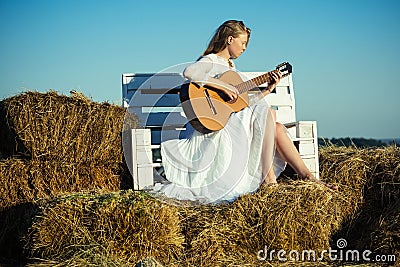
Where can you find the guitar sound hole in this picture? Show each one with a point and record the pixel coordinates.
(223, 96)
(226, 98)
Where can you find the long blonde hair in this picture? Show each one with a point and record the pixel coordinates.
(228, 28)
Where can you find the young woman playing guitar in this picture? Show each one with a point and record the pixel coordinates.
(251, 149)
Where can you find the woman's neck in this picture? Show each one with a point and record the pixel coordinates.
(224, 53)
(226, 57)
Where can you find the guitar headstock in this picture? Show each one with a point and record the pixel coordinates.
(285, 68)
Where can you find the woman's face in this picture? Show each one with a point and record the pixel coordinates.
(238, 45)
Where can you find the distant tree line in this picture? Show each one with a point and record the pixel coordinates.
(358, 142)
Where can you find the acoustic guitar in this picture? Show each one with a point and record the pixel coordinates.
(208, 109)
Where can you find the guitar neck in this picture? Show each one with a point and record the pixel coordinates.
(251, 84)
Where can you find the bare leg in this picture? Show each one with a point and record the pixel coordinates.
(270, 177)
(286, 149)
(267, 151)
(289, 153)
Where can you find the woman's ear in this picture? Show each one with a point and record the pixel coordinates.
(230, 39)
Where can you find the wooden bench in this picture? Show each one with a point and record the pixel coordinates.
(154, 98)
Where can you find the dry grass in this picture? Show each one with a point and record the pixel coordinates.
(67, 145)
(371, 178)
(374, 172)
(49, 126)
(386, 236)
(119, 229)
(26, 181)
(112, 227)
(291, 216)
(130, 227)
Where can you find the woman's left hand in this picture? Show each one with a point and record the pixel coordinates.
(275, 76)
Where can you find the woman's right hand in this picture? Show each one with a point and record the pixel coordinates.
(227, 89)
(230, 91)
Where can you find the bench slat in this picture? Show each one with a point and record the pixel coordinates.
(152, 100)
(158, 135)
(158, 118)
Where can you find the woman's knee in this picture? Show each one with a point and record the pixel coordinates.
(280, 128)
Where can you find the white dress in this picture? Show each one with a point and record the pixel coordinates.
(222, 165)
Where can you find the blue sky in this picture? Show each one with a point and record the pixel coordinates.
(345, 53)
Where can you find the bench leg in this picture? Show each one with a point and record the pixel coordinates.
(138, 156)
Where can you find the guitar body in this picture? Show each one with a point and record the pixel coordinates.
(207, 109)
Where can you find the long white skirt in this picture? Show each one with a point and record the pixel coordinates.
(221, 166)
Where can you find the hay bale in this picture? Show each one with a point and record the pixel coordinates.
(371, 178)
(347, 168)
(125, 226)
(385, 239)
(14, 224)
(49, 126)
(113, 229)
(26, 181)
(297, 215)
(384, 188)
(291, 216)
(369, 175)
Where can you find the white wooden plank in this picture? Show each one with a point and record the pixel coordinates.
(306, 148)
(280, 100)
(310, 163)
(139, 98)
(163, 109)
(305, 130)
(158, 118)
(172, 80)
(126, 78)
(156, 81)
(145, 176)
(144, 155)
(282, 90)
(138, 156)
(130, 156)
(159, 136)
(142, 137)
(285, 114)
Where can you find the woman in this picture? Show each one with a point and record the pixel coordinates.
(250, 150)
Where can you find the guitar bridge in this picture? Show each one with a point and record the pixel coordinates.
(210, 103)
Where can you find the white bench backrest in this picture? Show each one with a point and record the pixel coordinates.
(155, 100)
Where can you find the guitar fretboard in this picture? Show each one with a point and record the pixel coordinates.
(251, 84)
